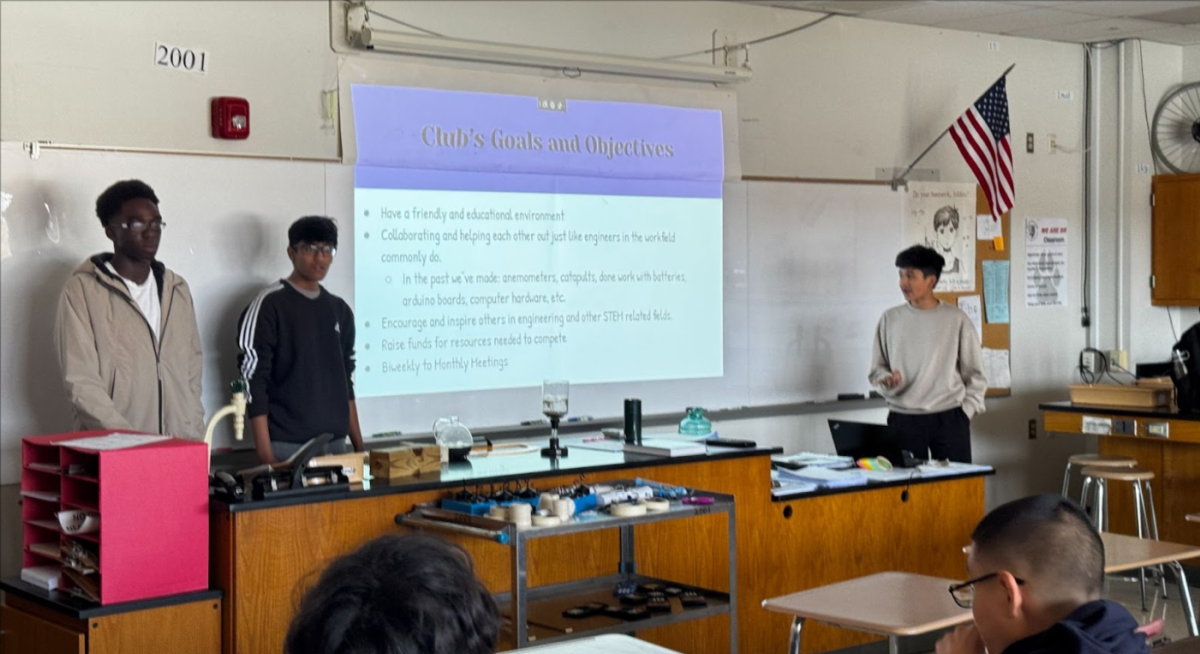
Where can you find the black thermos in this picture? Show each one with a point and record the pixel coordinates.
(633, 421)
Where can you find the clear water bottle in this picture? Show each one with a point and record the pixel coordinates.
(695, 424)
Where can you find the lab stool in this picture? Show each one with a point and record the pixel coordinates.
(1143, 505)
(1095, 461)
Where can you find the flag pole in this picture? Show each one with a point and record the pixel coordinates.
(900, 178)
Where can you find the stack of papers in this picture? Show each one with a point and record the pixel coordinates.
(786, 487)
(824, 477)
(42, 576)
(950, 468)
(815, 459)
(883, 476)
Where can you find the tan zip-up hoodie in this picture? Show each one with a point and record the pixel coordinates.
(116, 376)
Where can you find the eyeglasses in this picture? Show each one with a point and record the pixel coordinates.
(139, 226)
(312, 249)
(964, 593)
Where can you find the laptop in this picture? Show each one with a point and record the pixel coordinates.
(860, 440)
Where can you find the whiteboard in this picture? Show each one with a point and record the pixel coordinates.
(808, 270)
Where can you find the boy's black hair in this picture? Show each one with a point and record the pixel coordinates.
(1047, 536)
(110, 201)
(922, 258)
(946, 215)
(395, 595)
(313, 229)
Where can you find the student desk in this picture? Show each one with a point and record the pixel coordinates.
(892, 604)
(1123, 553)
(265, 553)
(1175, 460)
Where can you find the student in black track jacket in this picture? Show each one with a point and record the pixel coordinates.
(296, 343)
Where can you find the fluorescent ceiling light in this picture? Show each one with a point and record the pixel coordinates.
(519, 55)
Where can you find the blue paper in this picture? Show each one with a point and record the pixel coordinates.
(995, 290)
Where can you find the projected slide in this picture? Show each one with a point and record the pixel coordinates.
(501, 240)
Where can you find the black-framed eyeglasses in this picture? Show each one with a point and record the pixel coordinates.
(139, 226)
(312, 249)
(964, 593)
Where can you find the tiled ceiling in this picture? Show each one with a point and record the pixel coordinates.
(1088, 21)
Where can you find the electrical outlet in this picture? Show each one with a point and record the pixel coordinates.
(1089, 363)
(1051, 143)
(1029, 142)
(1118, 359)
(1032, 429)
(1126, 427)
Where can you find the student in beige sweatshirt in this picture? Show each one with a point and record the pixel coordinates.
(928, 364)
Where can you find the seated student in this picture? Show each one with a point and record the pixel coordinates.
(410, 594)
(1037, 572)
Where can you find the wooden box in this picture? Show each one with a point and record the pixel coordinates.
(405, 461)
(352, 463)
(1143, 397)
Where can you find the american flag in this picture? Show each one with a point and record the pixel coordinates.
(983, 139)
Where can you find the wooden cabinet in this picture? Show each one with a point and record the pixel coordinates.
(25, 632)
(1175, 241)
(183, 624)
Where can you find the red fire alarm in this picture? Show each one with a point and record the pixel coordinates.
(230, 118)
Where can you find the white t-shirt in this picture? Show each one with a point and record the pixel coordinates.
(146, 297)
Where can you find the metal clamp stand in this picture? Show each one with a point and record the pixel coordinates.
(554, 450)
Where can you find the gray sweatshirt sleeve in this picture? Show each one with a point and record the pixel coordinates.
(970, 367)
(880, 364)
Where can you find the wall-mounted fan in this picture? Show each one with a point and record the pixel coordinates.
(1175, 136)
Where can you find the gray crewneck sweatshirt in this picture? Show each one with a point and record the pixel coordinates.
(938, 355)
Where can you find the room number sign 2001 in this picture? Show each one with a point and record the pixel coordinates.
(181, 59)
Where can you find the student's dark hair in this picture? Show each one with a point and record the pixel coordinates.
(313, 229)
(922, 258)
(1047, 537)
(398, 594)
(110, 201)
(946, 215)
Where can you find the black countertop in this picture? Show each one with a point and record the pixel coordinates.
(499, 468)
(1161, 413)
(81, 609)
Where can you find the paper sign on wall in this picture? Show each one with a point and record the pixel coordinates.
(1046, 262)
(996, 368)
(987, 229)
(973, 307)
(995, 290)
(940, 215)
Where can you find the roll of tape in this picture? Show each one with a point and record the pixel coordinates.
(564, 509)
(657, 506)
(627, 510)
(498, 512)
(546, 521)
(520, 512)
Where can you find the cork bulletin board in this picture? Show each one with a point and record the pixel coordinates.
(995, 335)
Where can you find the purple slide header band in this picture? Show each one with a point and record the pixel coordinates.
(436, 180)
(431, 129)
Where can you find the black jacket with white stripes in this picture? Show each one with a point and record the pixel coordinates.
(297, 355)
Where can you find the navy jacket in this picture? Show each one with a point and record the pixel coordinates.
(1099, 627)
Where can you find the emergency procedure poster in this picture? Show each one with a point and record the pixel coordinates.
(1046, 262)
